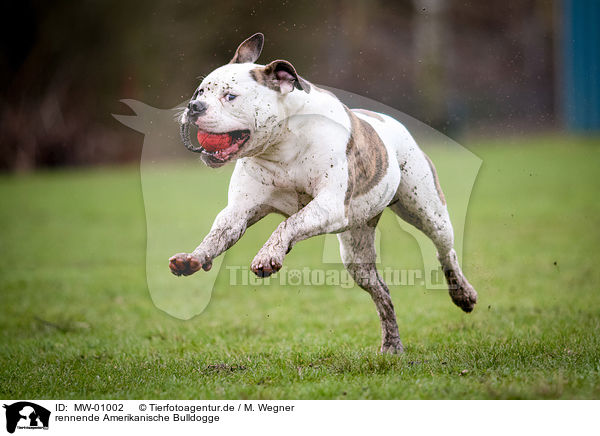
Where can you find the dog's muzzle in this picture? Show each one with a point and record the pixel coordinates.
(196, 108)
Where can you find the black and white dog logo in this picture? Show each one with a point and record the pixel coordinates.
(26, 415)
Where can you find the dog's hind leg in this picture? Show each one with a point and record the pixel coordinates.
(357, 249)
(420, 202)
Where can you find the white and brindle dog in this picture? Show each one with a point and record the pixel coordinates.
(302, 153)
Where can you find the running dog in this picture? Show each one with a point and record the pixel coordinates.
(301, 153)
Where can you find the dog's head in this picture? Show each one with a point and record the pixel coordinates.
(240, 108)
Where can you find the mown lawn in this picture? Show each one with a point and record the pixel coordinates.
(77, 320)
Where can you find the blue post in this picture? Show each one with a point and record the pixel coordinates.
(581, 64)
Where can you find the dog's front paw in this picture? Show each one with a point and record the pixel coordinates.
(264, 265)
(185, 264)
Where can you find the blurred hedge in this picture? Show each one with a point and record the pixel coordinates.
(66, 64)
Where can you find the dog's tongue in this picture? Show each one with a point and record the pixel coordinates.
(213, 142)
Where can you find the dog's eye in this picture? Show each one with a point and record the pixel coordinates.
(230, 97)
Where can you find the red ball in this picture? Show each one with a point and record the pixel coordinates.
(213, 142)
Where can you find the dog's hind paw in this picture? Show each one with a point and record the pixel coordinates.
(392, 347)
(461, 291)
(465, 298)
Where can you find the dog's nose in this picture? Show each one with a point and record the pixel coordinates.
(197, 107)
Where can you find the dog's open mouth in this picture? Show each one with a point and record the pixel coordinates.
(222, 145)
(219, 146)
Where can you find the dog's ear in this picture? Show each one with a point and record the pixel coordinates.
(281, 76)
(249, 50)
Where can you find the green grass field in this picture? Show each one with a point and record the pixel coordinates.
(77, 320)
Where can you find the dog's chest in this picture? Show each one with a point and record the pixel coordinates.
(303, 177)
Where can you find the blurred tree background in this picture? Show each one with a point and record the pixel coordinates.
(461, 66)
